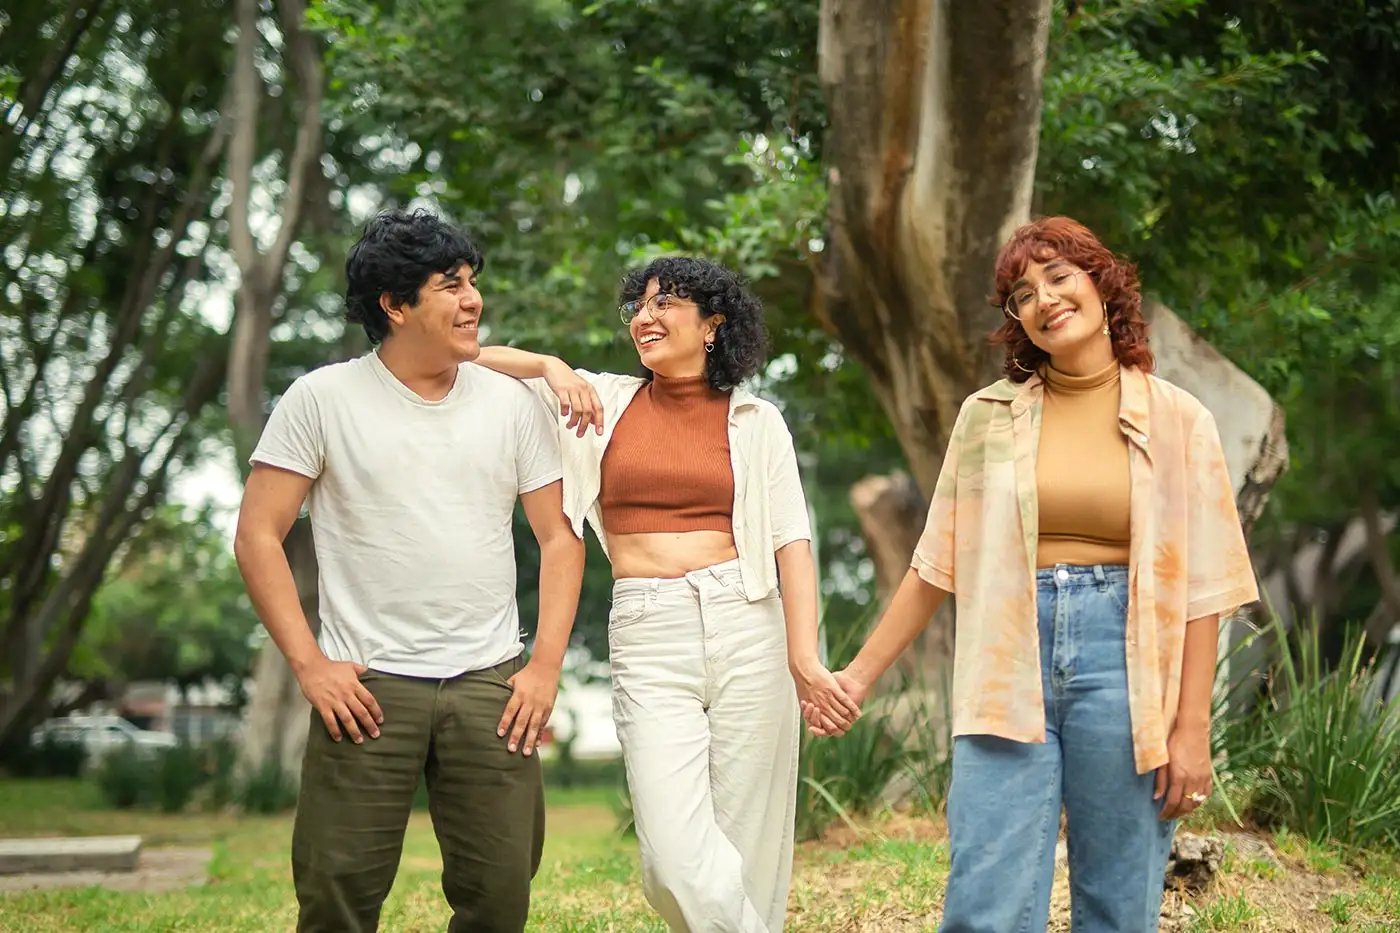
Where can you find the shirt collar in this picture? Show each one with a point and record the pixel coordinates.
(1132, 405)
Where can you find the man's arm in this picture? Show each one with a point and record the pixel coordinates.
(561, 579)
(272, 500)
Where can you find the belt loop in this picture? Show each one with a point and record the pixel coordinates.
(1099, 576)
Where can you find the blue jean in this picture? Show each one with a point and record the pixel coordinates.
(1004, 803)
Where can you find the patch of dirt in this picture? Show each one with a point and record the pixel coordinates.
(163, 869)
(891, 825)
(1259, 889)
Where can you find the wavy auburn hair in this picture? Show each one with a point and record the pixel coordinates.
(1114, 277)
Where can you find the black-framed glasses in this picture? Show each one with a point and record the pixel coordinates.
(657, 305)
(1062, 283)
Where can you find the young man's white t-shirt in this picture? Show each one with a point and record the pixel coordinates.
(411, 510)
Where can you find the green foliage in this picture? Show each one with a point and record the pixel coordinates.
(1245, 156)
(172, 780)
(176, 610)
(52, 757)
(127, 777)
(901, 744)
(179, 774)
(845, 777)
(220, 761)
(267, 789)
(1321, 755)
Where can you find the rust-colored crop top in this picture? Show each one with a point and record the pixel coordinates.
(667, 466)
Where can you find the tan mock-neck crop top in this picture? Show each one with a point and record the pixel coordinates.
(1081, 471)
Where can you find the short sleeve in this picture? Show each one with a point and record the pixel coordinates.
(294, 438)
(537, 461)
(1219, 575)
(787, 501)
(933, 555)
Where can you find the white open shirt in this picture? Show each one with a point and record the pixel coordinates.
(770, 510)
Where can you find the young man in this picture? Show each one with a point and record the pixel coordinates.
(413, 459)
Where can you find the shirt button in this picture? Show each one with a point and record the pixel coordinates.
(1062, 575)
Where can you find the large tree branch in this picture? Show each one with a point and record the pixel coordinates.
(243, 146)
(262, 274)
(35, 88)
(301, 55)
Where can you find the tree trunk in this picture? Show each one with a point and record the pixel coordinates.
(935, 123)
(275, 722)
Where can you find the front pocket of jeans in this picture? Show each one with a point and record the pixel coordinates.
(626, 610)
(1118, 592)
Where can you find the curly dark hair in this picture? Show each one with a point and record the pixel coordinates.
(1116, 279)
(398, 252)
(741, 342)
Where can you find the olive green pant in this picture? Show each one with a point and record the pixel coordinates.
(487, 806)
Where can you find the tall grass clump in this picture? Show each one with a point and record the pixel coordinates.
(1320, 754)
(898, 750)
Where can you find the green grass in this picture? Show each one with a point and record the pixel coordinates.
(888, 875)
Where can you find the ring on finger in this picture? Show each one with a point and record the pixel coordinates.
(1197, 798)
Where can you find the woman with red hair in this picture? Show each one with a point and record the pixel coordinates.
(1085, 520)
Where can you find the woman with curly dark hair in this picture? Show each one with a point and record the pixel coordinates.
(691, 484)
(1086, 521)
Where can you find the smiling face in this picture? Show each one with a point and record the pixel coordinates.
(442, 326)
(1060, 308)
(670, 333)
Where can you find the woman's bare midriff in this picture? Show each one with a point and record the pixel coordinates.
(668, 554)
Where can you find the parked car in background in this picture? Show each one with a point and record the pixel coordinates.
(100, 734)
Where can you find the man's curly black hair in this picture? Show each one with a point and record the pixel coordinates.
(741, 342)
(397, 253)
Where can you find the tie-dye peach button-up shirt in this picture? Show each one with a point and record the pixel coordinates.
(1187, 554)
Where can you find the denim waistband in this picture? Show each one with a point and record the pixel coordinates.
(1065, 576)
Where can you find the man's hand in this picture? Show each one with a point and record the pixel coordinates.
(334, 689)
(532, 700)
(577, 398)
(1184, 782)
(819, 690)
(855, 690)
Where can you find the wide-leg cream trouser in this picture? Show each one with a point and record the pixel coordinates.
(707, 716)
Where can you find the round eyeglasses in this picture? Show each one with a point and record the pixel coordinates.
(1061, 283)
(657, 305)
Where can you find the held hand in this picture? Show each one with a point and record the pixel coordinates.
(334, 689)
(577, 398)
(855, 690)
(530, 705)
(819, 689)
(1184, 782)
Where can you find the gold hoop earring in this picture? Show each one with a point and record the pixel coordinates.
(1105, 329)
(1017, 363)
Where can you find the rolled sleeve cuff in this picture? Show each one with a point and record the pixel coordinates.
(283, 463)
(1222, 602)
(931, 574)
